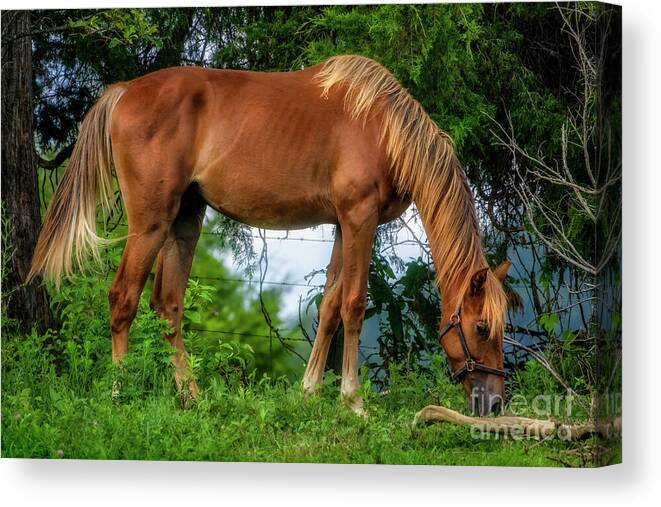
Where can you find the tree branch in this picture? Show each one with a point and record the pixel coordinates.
(56, 162)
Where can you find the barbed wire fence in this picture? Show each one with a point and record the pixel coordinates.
(111, 224)
(51, 179)
(373, 353)
(290, 342)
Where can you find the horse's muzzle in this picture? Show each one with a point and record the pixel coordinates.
(484, 400)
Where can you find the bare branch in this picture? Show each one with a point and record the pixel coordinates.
(56, 161)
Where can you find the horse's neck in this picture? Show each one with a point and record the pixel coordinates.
(451, 288)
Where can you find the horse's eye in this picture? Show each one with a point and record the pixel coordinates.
(483, 329)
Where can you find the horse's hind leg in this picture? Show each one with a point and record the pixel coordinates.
(173, 268)
(329, 319)
(152, 189)
(142, 245)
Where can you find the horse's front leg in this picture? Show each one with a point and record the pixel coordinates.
(358, 229)
(329, 319)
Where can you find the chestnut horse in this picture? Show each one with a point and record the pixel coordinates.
(339, 143)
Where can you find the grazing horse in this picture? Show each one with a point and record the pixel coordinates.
(338, 143)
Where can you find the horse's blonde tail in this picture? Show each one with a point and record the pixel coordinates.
(68, 234)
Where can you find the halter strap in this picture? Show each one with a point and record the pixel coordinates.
(469, 363)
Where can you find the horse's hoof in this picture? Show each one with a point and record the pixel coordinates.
(310, 389)
(188, 394)
(355, 403)
(115, 391)
(186, 399)
(360, 412)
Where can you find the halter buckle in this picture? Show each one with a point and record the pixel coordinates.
(470, 364)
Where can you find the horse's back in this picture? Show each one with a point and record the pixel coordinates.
(264, 147)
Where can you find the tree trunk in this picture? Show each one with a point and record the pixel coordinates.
(28, 304)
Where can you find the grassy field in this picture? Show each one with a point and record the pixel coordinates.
(44, 418)
(68, 414)
(57, 403)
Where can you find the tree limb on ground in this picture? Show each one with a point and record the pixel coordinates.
(522, 427)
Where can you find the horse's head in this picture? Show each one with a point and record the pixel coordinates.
(472, 336)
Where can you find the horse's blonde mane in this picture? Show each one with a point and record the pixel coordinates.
(425, 167)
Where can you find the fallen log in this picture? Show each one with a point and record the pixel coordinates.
(522, 427)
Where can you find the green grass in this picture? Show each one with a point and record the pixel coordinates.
(260, 423)
(57, 403)
(69, 414)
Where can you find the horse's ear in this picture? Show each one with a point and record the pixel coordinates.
(514, 299)
(477, 282)
(502, 269)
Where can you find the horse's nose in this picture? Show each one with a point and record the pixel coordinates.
(496, 406)
(483, 403)
(477, 403)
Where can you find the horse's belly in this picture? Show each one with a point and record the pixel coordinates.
(277, 221)
(268, 205)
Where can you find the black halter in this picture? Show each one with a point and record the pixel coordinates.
(469, 363)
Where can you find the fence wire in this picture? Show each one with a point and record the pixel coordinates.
(250, 282)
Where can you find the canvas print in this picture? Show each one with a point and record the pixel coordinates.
(340, 234)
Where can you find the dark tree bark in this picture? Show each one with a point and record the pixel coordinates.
(28, 304)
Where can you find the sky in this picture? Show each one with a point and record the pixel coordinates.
(306, 251)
